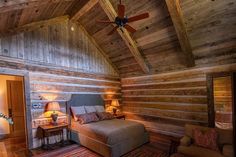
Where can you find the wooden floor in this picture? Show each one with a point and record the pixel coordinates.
(14, 147)
(158, 142)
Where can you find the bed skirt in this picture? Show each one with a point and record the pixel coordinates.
(106, 150)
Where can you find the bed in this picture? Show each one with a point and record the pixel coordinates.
(109, 138)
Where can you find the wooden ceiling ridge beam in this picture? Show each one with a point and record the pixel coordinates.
(111, 13)
(34, 26)
(90, 4)
(6, 6)
(177, 19)
(98, 47)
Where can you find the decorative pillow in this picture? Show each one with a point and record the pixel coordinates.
(87, 118)
(105, 115)
(99, 108)
(207, 139)
(77, 111)
(90, 109)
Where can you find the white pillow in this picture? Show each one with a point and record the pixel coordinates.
(76, 110)
(90, 109)
(100, 108)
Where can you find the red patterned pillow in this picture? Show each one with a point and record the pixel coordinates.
(105, 115)
(207, 139)
(87, 118)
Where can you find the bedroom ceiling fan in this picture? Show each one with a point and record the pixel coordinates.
(122, 21)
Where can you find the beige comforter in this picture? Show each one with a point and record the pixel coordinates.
(110, 131)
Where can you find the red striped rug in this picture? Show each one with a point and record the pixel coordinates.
(79, 151)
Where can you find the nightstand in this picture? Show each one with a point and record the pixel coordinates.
(120, 116)
(51, 130)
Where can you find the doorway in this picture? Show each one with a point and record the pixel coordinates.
(12, 105)
(221, 102)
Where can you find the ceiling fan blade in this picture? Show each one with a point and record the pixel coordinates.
(130, 29)
(121, 11)
(138, 17)
(113, 30)
(102, 21)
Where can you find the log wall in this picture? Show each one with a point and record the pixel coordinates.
(50, 87)
(59, 62)
(164, 103)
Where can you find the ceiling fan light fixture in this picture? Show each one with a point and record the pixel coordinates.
(122, 21)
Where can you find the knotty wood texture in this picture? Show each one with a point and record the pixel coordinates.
(50, 87)
(60, 62)
(164, 103)
(210, 28)
(177, 18)
(129, 41)
(57, 45)
(210, 32)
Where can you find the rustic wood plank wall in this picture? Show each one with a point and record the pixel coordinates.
(57, 45)
(60, 62)
(211, 28)
(164, 103)
(50, 87)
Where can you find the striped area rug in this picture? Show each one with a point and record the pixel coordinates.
(79, 151)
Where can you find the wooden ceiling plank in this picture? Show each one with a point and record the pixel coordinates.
(6, 6)
(90, 4)
(177, 19)
(98, 47)
(34, 25)
(111, 13)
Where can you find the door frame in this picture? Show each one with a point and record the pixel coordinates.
(28, 118)
(210, 98)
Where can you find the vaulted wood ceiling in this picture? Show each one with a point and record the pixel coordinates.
(190, 32)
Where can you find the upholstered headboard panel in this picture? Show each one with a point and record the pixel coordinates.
(84, 100)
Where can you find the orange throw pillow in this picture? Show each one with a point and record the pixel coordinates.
(206, 139)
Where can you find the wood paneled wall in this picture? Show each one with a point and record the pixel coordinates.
(164, 103)
(50, 87)
(60, 62)
(57, 45)
(211, 29)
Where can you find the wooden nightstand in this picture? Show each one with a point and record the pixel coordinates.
(51, 130)
(120, 116)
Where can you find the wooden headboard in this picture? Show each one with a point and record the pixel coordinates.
(84, 100)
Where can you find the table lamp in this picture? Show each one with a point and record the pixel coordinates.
(115, 104)
(53, 106)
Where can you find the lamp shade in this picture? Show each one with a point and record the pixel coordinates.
(53, 106)
(115, 103)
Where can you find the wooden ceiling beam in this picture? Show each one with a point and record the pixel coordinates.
(34, 26)
(97, 46)
(177, 19)
(111, 13)
(6, 6)
(84, 9)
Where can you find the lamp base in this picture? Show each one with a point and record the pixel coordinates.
(54, 117)
(114, 111)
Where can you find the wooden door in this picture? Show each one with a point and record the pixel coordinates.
(234, 107)
(16, 108)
